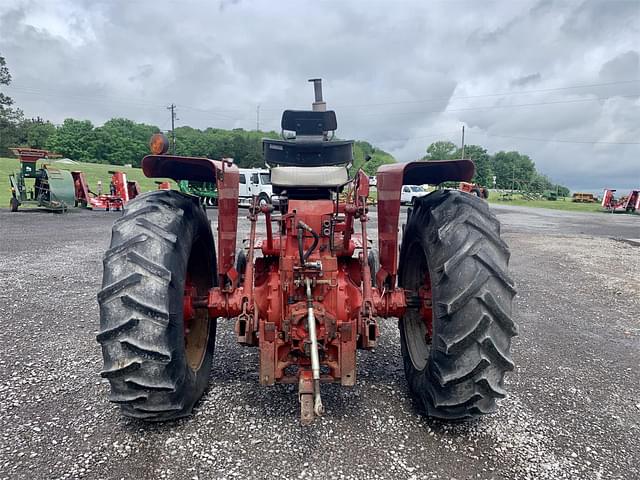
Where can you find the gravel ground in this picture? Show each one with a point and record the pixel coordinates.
(573, 409)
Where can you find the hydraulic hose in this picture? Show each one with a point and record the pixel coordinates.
(300, 245)
(304, 256)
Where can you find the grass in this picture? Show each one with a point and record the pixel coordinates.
(560, 204)
(93, 173)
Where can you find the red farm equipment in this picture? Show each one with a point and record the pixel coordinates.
(121, 191)
(313, 290)
(474, 189)
(628, 203)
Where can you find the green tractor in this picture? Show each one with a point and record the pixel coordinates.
(53, 189)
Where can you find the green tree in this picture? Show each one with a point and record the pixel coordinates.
(34, 132)
(74, 139)
(378, 157)
(441, 150)
(121, 142)
(244, 146)
(513, 170)
(10, 117)
(482, 161)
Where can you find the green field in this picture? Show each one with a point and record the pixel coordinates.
(561, 204)
(93, 172)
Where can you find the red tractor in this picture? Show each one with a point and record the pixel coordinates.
(313, 290)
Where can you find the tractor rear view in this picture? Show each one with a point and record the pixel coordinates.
(313, 290)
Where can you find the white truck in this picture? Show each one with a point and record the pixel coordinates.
(410, 193)
(255, 182)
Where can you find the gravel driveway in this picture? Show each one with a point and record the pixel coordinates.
(573, 409)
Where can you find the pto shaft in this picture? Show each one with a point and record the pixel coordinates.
(315, 359)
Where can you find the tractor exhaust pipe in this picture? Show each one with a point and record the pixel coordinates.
(315, 359)
(319, 105)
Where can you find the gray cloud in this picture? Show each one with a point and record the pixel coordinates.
(625, 65)
(400, 75)
(525, 80)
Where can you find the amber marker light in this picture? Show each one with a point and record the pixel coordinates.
(159, 144)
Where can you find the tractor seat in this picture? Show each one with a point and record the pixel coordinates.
(326, 176)
(307, 153)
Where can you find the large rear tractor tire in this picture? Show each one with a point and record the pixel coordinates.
(157, 362)
(455, 362)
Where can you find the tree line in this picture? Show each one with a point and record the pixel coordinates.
(512, 170)
(121, 141)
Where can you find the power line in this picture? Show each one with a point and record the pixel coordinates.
(485, 95)
(452, 133)
(492, 107)
(557, 140)
(421, 137)
(95, 98)
(220, 112)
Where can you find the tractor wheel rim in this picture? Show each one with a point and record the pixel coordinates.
(415, 327)
(196, 330)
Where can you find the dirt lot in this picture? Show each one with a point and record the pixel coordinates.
(573, 409)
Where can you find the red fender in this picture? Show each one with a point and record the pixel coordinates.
(390, 179)
(227, 179)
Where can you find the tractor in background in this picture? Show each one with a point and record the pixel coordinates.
(311, 291)
(52, 188)
(627, 203)
(121, 191)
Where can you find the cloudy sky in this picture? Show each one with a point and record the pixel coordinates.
(558, 80)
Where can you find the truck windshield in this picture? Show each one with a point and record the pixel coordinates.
(417, 189)
(265, 178)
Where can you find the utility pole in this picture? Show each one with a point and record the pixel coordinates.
(258, 118)
(172, 107)
(463, 141)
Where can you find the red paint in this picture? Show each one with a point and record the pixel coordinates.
(123, 191)
(390, 179)
(626, 203)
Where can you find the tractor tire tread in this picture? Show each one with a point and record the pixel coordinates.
(468, 268)
(142, 272)
(150, 267)
(113, 332)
